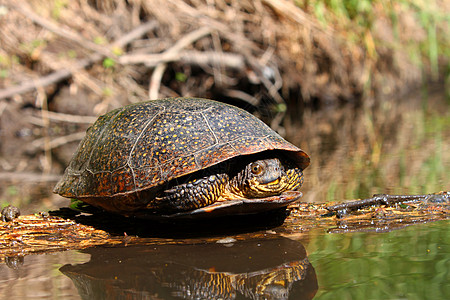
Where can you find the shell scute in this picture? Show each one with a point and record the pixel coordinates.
(171, 135)
(120, 137)
(99, 184)
(122, 181)
(214, 155)
(145, 177)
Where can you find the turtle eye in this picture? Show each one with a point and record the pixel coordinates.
(257, 169)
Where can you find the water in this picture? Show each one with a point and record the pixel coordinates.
(392, 148)
(411, 263)
(396, 147)
(39, 277)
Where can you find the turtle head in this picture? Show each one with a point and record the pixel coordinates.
(268, 177)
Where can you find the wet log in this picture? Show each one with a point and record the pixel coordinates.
(67, 229)
(40, 233)
(384, 199)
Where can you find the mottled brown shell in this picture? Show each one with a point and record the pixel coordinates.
(146, 144)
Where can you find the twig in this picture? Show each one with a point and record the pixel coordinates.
(271, 88)
(231, 60)
(185, 41)
(63, 32)
(54, 116)
(42, 98)
(189, 39)
(29, 177)
(2, 107)
(290, 10)
(243, 96)
(82, 77)
(200, 17)
(134, 34)
(57, 142)
(81, 64)
(276, 121)
(155, 81)
(43, 81)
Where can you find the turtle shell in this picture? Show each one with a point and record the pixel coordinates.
(146, 144)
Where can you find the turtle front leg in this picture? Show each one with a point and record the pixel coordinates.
(193, 194)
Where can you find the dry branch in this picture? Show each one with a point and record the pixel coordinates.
(289, 9)
(155, 81)
(230, 60)
(57, 142)
(63, 74)
(54, 116)
(43, 234)
(28, 177)
(383, 199)
(242, 95)
(63, 32)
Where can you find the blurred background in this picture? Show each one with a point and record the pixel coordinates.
(362, 86)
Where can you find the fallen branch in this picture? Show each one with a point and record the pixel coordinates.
(54, 116)
(65, 33)
(231, 60)
(63, 74)
(57, 142)
(28, 177)
(155, 81)
(383, 199)
(43, 81)
(243, 96)
(41, 233)
(289, 9)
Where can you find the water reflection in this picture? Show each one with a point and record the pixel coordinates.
(37, 276)
(396, 146)
(275, 268)
(412, 263)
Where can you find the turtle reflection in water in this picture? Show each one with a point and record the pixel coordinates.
(183, 157)
(270, 268)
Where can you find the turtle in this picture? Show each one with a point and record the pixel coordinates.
(183, 157)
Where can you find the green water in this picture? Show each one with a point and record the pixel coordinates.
(411, 263)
